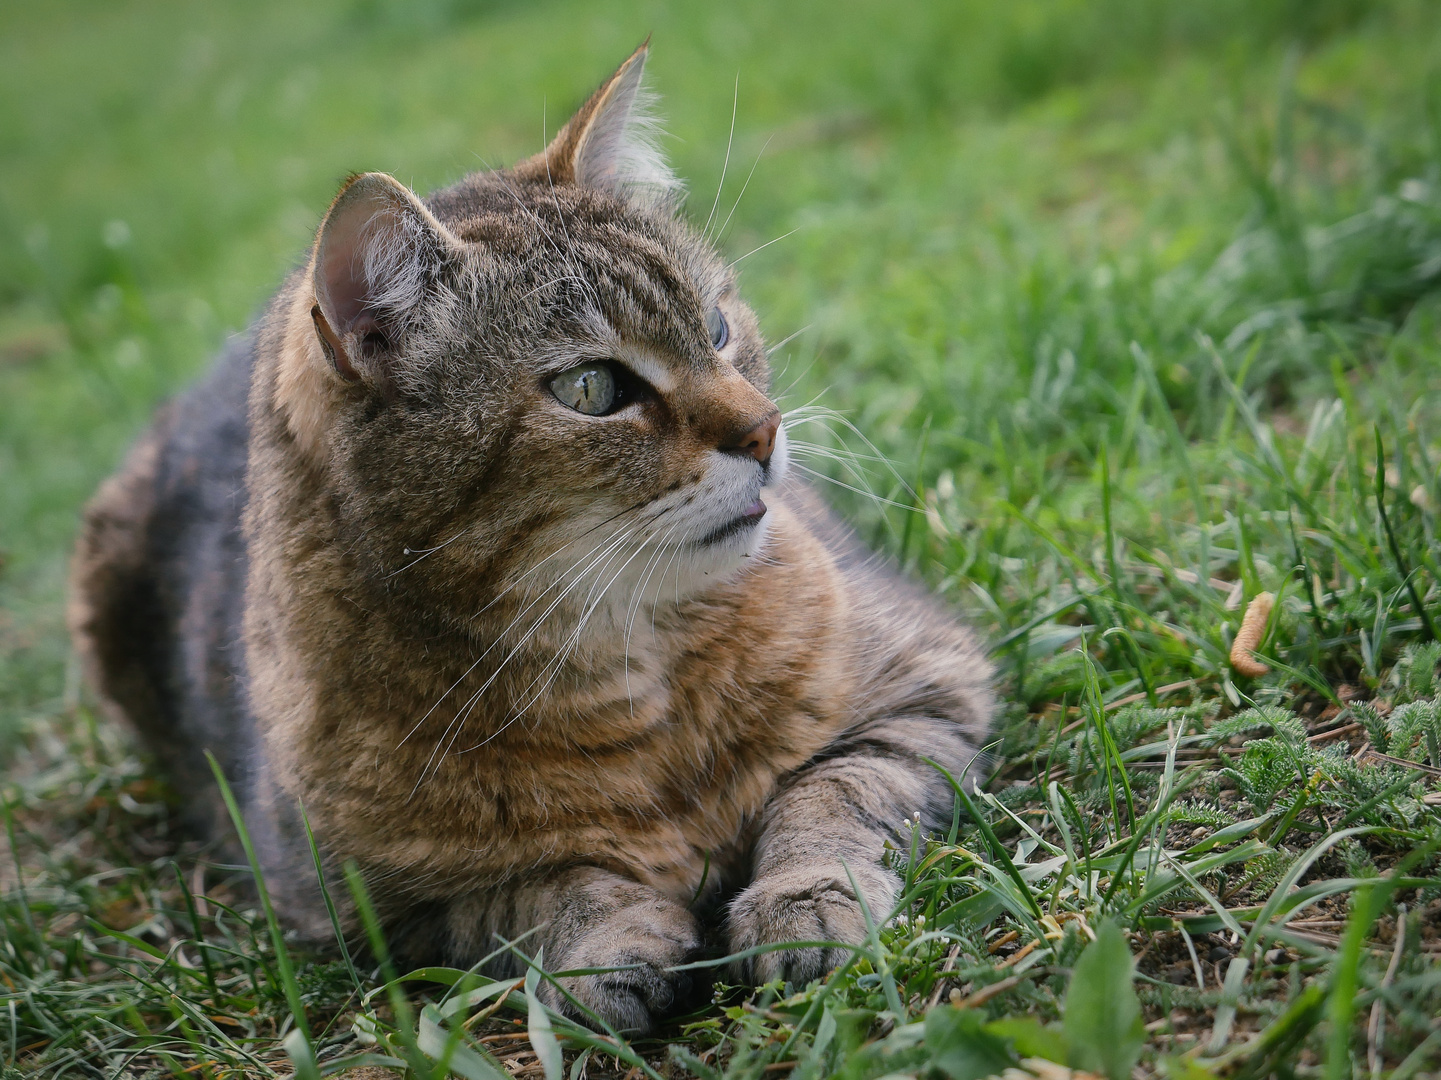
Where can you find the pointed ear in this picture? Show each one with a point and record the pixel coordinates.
(611, 142)
(377, 251)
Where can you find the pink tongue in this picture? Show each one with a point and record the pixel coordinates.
(755, 509)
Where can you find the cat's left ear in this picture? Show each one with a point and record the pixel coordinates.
(611, 141)
(378, 252)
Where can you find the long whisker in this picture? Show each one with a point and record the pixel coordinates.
(813, 405)
(650, 567)
(859, 491)
(570, 245)
(586, 614)
(612, 545)
(851, 464)
(649, 570)
(554, 667)
(555, 281)
(767, 244)
(592, 601)
(586, 286)
(839, 453)
(721, 232)
(463, 711)
(783, 342)
(811, 413)
(457, 724)
(735, 101)
(536, 568)
(781, 395)
(852, 468)
(519, 712)
(540, 224)
(659, 585)
(453, 729)
(567, 648)
(424, 554)
(501, 637)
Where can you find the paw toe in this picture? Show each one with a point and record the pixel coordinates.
(632, 998)
(795, 908)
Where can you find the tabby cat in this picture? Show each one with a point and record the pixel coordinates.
(482, 547)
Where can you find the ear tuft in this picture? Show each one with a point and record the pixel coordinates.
(613, 142)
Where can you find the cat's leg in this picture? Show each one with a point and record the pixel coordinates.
(834, 816)
(589, 918)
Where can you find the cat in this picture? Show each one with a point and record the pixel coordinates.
(482, 547)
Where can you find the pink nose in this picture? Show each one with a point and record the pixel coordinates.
(760, 441)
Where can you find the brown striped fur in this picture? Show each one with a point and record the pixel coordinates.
(497, 648)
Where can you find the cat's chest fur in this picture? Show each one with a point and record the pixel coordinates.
(652, 747)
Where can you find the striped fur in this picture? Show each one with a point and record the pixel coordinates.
(527, 668)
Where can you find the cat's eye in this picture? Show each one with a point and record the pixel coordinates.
(720, 333)
(586, 388)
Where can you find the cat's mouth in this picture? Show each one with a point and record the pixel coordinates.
(748, 519)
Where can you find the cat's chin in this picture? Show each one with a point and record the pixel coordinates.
(739, 527)
(727, 551)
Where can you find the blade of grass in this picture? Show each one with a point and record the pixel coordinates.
(1406, 575)
(400, 1007)
(201, 945)
(998, 852)
(277, 936)
(329, 901)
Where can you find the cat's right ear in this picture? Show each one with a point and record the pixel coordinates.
(610, 143)
(378, 252)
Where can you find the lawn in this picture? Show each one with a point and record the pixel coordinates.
(1103, 318)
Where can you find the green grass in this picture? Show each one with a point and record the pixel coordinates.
(1133, 303)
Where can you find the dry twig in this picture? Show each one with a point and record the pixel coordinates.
(1378, 1007)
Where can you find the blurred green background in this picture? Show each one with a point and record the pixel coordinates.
(983, 203)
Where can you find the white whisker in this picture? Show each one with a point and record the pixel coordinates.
(646, 573)
(586, 286)
(837, 452)
(514, 622)
(735, 101)
(783, 342)
(552, 666)
(720, 233)
(424, 554)
(661, 584)
(767, 244)
(555, 281)
(536, 568)
(570, 245)
(592, 602)
(812, 413)
(851, 487)
(457, 724)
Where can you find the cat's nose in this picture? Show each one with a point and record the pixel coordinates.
(760, 441)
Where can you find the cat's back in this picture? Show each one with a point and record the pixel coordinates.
(158, 579)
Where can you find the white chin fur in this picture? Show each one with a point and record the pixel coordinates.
(732, 486)
(674, 561)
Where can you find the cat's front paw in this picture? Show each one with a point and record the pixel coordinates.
(645, 939)
(817, 904)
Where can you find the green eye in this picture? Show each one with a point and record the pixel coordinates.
(586, 388)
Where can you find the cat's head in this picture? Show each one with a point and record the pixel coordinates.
(538, 378)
